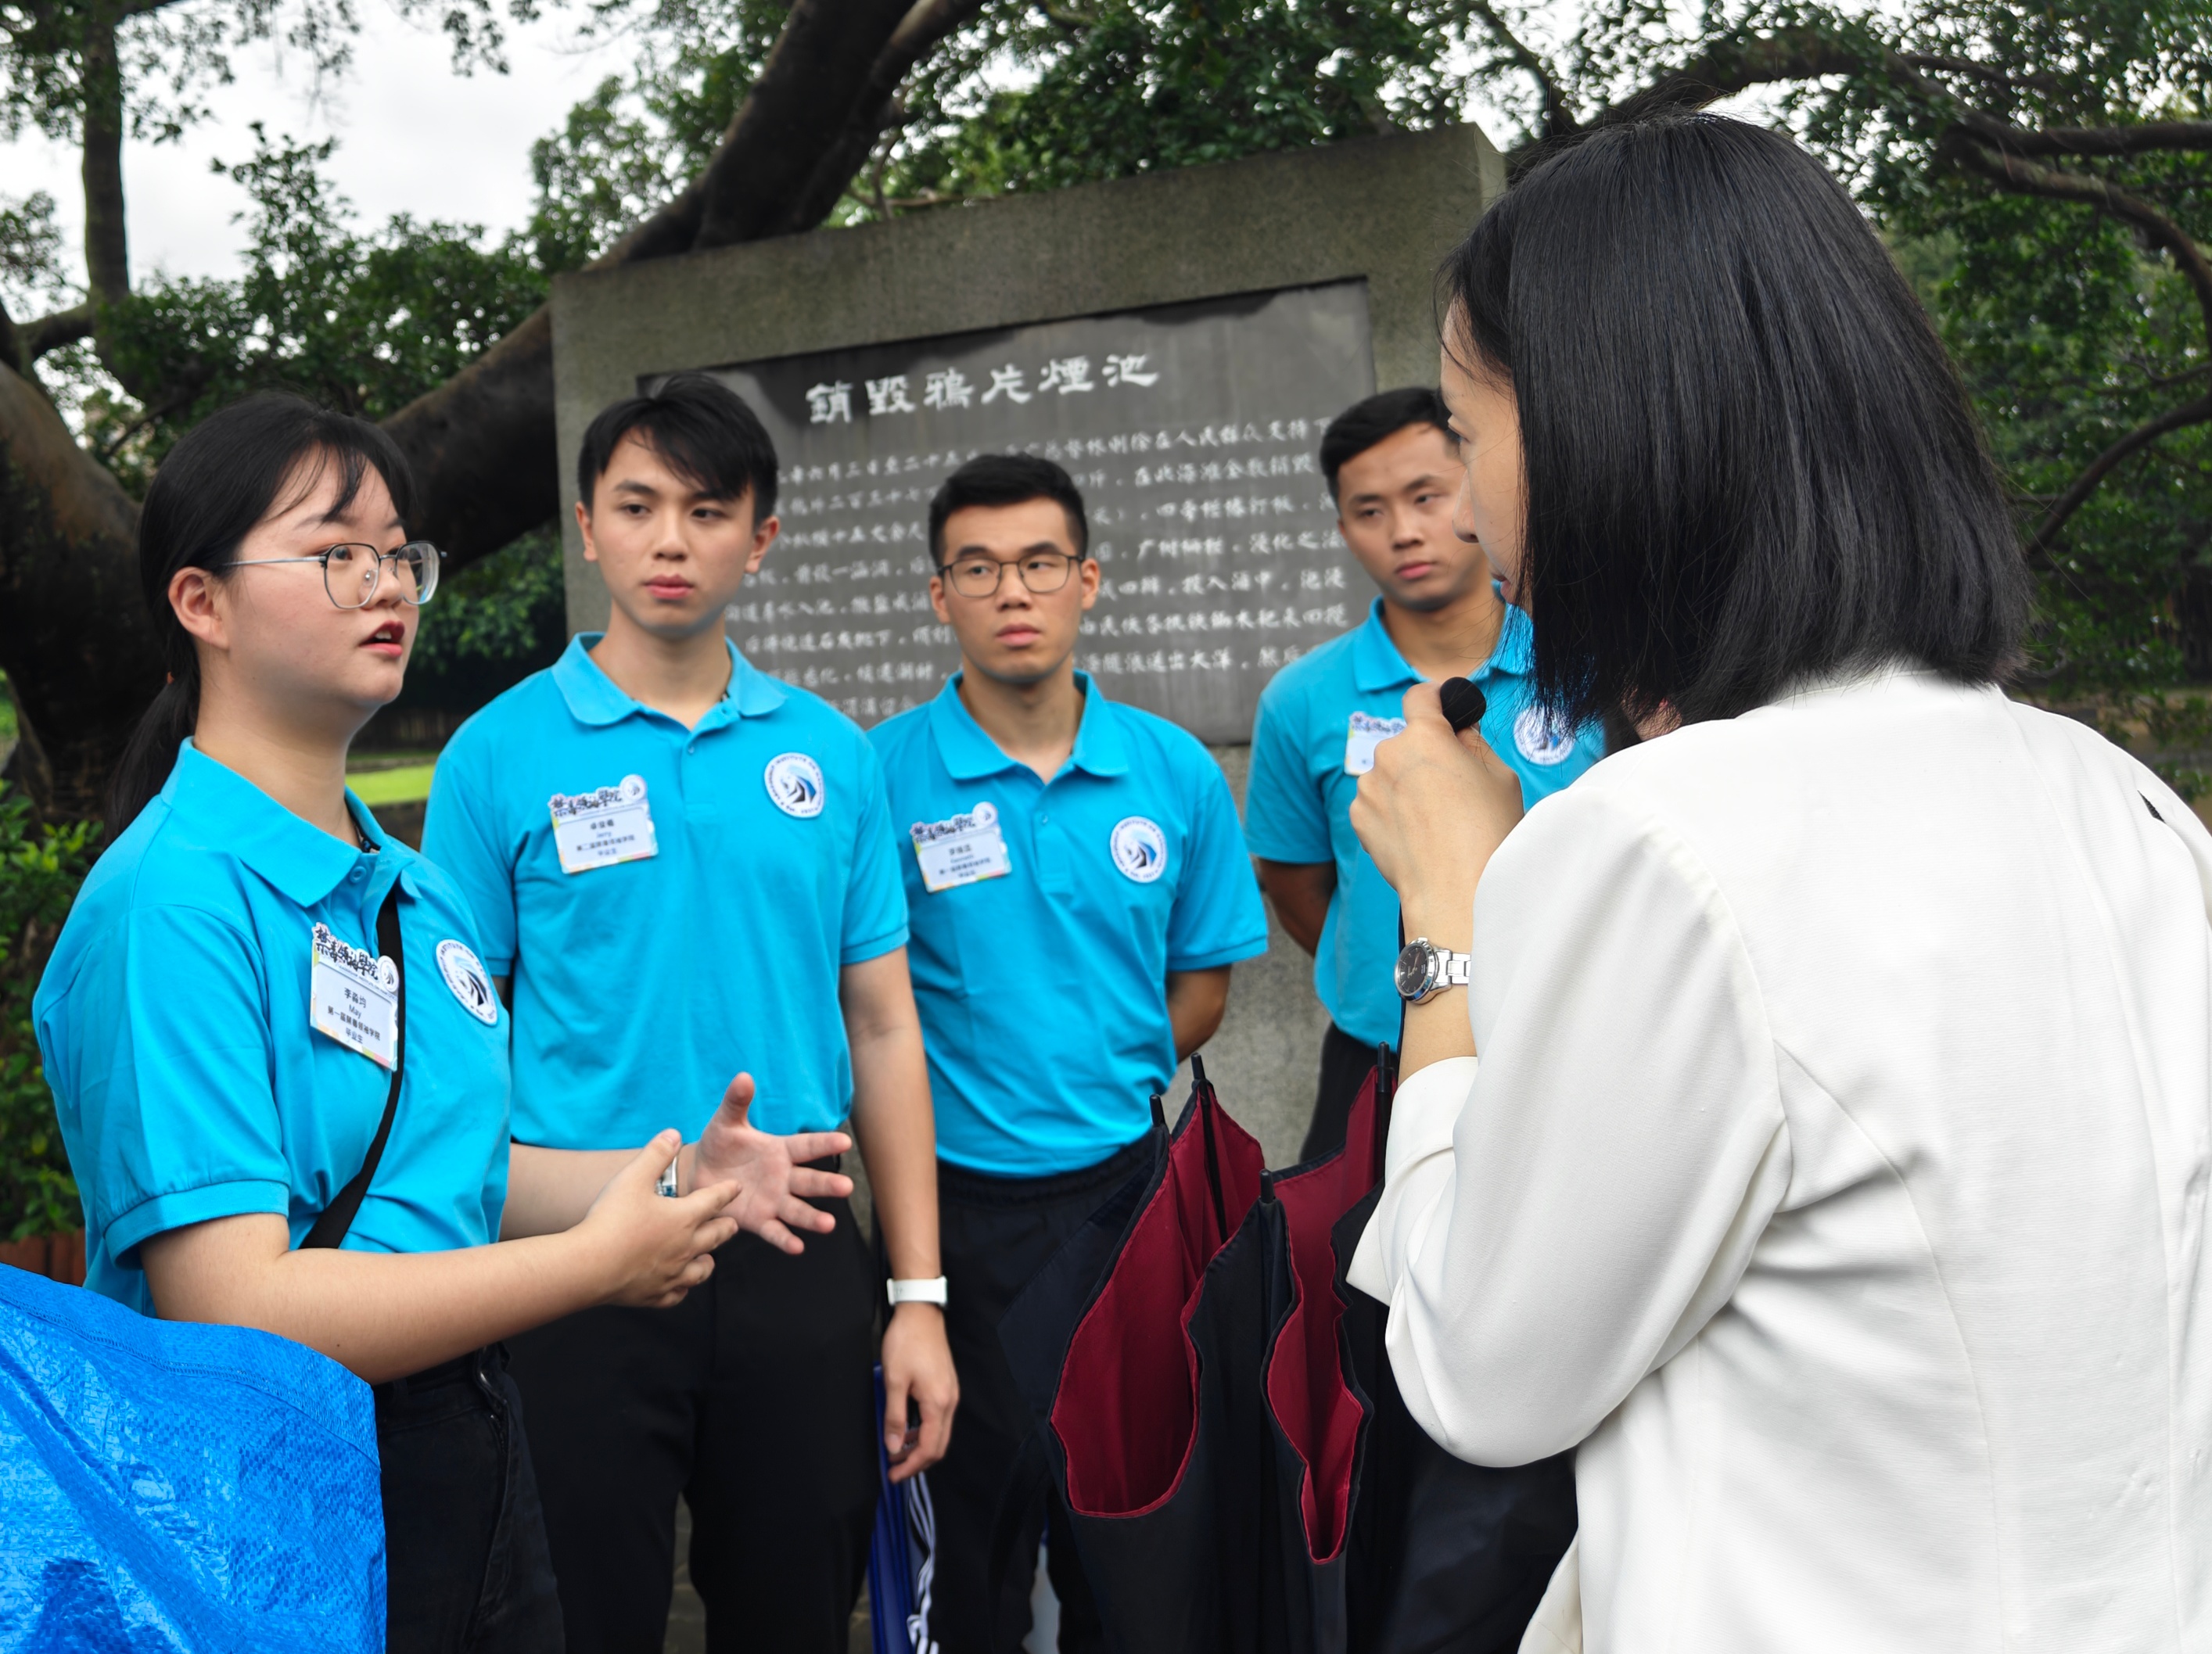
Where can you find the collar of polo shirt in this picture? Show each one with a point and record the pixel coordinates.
(295, 857)
(1377, 665)
(969, 754)
(596, 698)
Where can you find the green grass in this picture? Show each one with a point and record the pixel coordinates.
(410, 784)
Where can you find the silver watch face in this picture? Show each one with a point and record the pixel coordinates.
(1416, 970)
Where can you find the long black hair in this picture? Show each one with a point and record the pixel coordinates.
(220, 480)
(1748, 461)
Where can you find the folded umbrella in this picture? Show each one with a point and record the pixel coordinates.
(1149, 1393)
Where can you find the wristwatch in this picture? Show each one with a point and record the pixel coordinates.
(917, 1292)
(1425, 970)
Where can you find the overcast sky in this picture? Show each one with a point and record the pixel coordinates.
(412, 137)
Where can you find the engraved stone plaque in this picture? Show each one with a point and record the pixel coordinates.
(1191, 430)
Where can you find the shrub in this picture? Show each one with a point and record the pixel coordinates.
(40, 867)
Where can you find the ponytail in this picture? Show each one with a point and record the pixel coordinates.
(151, 753)
(217, 483)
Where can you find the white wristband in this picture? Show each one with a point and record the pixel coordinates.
(917, 1292)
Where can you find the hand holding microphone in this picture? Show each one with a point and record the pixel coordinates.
(1437, 804)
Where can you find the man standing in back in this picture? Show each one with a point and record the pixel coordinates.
(1077, 889)
(1393, 471)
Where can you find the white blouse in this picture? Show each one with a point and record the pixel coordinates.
(1834, 1171)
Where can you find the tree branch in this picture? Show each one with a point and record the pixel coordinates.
(878, 108)
(52, 332)
(1559, 120)
(1725, 69)
(1966, 145)
(2149, 138)
(106, 248)
(2174, 418)
(484, 444)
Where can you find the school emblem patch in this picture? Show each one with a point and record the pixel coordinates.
(1139, 848)
(1543, 737)
(794, 782)
(465, 975)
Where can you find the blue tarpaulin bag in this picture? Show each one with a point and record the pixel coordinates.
(178, 1488)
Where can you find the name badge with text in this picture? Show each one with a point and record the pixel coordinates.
(1365, 735)
(964, 849)
(353, 996)
(604, 828)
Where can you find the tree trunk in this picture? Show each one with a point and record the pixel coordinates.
(74, 639)
(107, 247)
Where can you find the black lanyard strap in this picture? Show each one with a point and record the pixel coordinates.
(338, 1217)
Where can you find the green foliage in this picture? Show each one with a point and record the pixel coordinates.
(499, 619)
(364, 322)
(2069, 328)
(40, 867)
(636, 142)
(1124, 87)
(30, 255)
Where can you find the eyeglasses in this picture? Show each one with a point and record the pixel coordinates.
(351, 574)
(1041, 571)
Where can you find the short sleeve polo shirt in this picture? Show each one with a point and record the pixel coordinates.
(174, 1023)
(1307, 758)
(673, 905)
(1042, 986)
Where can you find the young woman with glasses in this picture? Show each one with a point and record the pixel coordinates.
(280, 1068)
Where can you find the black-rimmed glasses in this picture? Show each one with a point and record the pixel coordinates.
(351, 574)
(1041, 571)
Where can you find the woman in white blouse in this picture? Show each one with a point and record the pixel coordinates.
(1822, 1142)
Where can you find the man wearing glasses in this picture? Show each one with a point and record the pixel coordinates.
(1077, 888)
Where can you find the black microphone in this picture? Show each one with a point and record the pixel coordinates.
(1464, 704)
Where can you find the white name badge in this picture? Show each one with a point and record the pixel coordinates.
(354, 997)
(604, 828)
(964, 849)
(1362, 736)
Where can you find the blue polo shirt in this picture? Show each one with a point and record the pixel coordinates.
(642, 986)
(1297, 803)
(1042, 989)
(174, 1020)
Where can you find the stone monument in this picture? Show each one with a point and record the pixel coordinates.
(1177, 342)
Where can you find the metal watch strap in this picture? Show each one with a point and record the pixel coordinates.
(931, 1291)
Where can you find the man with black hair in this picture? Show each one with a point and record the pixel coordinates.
(1078, 890)
(712, 886)
(1392, 469)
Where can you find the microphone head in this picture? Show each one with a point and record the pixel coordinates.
(1463, 704)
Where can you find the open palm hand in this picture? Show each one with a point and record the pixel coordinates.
(771, 1173)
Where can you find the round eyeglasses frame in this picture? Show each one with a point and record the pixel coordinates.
(424, 557)
(1041, 581)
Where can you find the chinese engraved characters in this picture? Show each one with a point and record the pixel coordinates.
(1190, 430)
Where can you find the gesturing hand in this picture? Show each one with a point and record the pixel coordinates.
(770, 1172)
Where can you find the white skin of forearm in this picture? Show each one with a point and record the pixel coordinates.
(897, 1126)
(1196, 1001)
(385, 1315)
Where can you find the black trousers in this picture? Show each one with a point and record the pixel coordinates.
(466, 1569)
(994, 1491)
(1344, 1066)
(753, 1399)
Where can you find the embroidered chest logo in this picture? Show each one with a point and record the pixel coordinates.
(794, 782)
(1139, 848)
